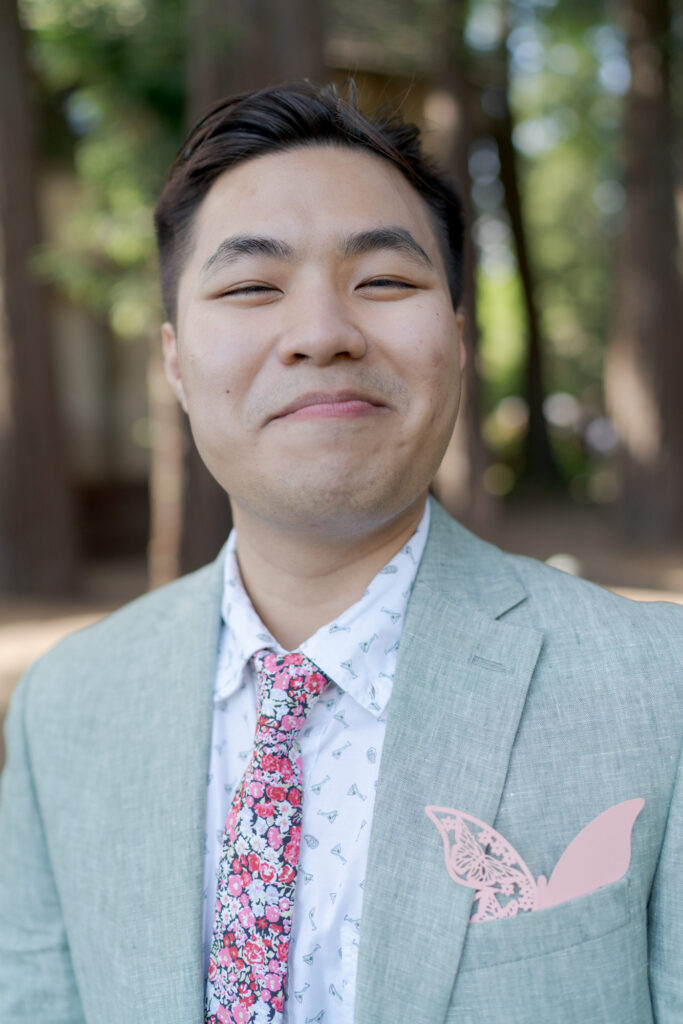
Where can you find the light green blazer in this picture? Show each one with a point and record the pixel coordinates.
(523, 697)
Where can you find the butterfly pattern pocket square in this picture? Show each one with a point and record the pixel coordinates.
(481, 859)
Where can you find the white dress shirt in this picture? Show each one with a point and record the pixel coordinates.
(341, 746)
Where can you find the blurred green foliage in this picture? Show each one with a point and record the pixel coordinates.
(112, 74)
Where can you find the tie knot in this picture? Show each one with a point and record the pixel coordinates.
(288, 686)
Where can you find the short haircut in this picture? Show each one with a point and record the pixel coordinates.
(287, 117)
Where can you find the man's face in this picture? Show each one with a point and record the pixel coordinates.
(316, 349)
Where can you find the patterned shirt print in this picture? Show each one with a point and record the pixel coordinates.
(341, 746)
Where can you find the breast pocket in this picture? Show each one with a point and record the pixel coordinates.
(584, 960)
(536, 934)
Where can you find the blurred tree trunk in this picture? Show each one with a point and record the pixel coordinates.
(539, 461)
(169, 443)
(237, 45)
(459, 482)
(644, 373)
(233, 45)
(37, 536)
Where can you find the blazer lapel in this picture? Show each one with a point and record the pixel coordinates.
(161, 833)
(459, 691)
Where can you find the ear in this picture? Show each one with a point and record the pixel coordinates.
(171, 364)
(460, 321)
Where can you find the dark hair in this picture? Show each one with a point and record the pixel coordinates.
(276, 119)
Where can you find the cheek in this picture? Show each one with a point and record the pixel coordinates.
(436, 377)
(433, 360)
(214, 359)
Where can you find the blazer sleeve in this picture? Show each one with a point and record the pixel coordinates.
(36, 975)
(666, 918)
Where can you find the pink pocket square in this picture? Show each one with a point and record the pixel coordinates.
(480, 858)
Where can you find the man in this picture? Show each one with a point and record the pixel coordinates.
(403, 728)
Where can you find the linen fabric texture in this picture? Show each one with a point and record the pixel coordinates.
(529, 699)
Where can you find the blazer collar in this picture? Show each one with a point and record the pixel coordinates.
(465, 570)
(460, 687)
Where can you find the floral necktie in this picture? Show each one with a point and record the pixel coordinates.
(257, 874)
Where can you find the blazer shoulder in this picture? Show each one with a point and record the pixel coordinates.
(558, 597)
(466, 569)
(126, 637)
(631, 650)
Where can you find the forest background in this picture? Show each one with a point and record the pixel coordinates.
(560, 120)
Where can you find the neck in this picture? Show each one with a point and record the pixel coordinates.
(297, 582)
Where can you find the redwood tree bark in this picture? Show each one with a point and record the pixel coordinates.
(459, 482)
(644, 371)
(37, 536)
(539, 461)
(235, 46)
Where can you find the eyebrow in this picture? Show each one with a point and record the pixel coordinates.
(232, 249)
(360, 243)
(396, 239)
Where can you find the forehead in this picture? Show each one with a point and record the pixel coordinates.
(311, 196)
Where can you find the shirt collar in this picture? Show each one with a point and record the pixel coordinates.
(358, 650)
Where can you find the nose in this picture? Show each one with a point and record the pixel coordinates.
(319, 328)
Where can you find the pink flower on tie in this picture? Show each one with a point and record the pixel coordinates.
(316, 681)
(240, 1013)
(274, 838)
(234, 885)
(286, 874)
(283, 951)
(253, 953)
(267, 872)
(292, 852)
(273, 913)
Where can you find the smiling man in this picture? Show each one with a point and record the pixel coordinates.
(319, 360)
(363, 768)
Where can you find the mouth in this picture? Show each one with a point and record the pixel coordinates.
(330, 405)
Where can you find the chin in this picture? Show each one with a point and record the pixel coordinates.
(333, 510)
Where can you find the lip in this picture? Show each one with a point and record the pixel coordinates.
(330, 405)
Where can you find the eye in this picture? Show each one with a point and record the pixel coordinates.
(387, 282)
(249, 289)
(250, 294)
(386, 289)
